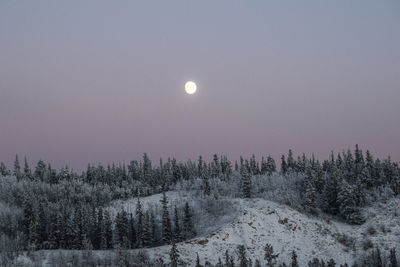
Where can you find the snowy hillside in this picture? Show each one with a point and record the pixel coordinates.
(261, 222)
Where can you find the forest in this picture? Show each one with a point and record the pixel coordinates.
(44, 209)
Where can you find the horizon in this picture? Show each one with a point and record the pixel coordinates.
(97, 82)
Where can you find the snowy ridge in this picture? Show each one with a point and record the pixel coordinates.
(261, 222)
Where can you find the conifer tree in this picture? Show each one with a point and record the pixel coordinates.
(392, 258)
(271, 166)
(188, 230)
(219, 263)
(17, 168)
(177, 229)
(242, 256)
(331, 263)
(198, 260)
(27, 170)
(284, 166)
(269, 255)
(108, 229)
(3, 170)
(174, 255)
(146, 236)
(139, 224)
(41, 226)
(331, 191)
(132, 232)
(310, 193)
(294, 260)
(166, 222)
(348, 204)
(290, 161)
(246, 185)
(207, 188)
(28, 217)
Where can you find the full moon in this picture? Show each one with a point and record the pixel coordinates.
(190, 87)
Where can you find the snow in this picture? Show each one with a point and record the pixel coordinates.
(262, 221)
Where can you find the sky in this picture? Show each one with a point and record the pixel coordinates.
(103, 81)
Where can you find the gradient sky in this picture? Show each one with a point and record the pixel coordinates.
(103, 81)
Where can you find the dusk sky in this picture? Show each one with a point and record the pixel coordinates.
(103, 81)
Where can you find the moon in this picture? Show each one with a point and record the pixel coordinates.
(190, 87)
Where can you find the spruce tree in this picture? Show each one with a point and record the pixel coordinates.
(132, 232)
(139, 224)
(331, 263)
(290, 161)
(246, 185)
(177, 229)
(331, 191)
(269, 255)
(188, 230)
(294, 260)
(108, 229)
(271, 166)
(166, 222)
(348, 204)
(146, 234)
(41, 227)
(392, 258)
(310, 193)
(17, 168)
(198, 260)
(3, 170)
(284, 167)
(242, 256)
(174, 255)
(27, 170)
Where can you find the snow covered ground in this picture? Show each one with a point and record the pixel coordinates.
(261, 222)
(257, 222)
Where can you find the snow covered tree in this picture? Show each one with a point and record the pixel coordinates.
(121, 225)
(27, 170)
(198, 260)
(139, 224)
(291, 164)
(392, 258)
(310, 193)
(17, 168)
(41, 226)
(215, 167)
(219, 263)
(294, 260)
(108, 230)
(348, 204)
(207, 188)
(177, 229)
(271, 166)
(269, 255)
(188, 229)
(331, 263)
(166, 222)
(174, 255)
(246, 185)
(132, 232)
(242, 256)
(40, 171)
(331, 191)
(284, 167)
(146, 234)
(3, 170)
(28, 218)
